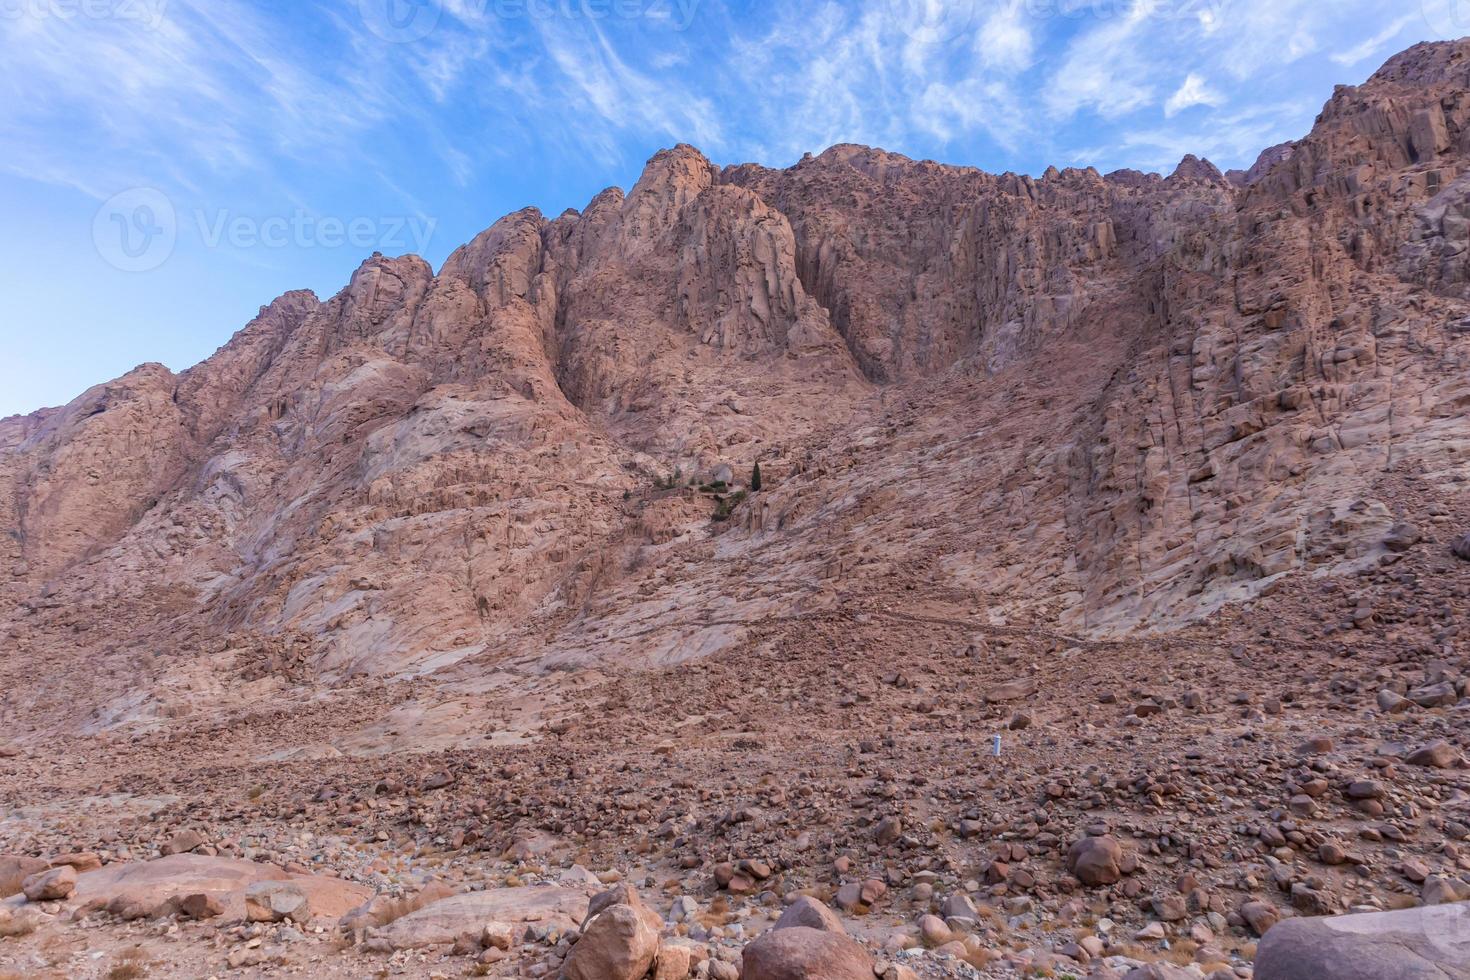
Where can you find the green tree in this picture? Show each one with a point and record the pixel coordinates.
(755, 479)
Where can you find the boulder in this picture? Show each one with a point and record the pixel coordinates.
(1461, 547)
(1260, 916)
(1402, 537)
(1096, 860)
(82, 861)
(277, 901)
(1435, 755)
(800, 953)
(52, 885)
(807, 912)
(673, 963)
(183, 842)
(201, 906)
(1440, 890)
(620, 943)
(1411, 944)
(15, 869)
(441, 923)
(142, 888)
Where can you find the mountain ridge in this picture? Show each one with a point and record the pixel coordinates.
(712, 317)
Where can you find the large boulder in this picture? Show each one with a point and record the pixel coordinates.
(619, 943)
(15, 869)
(1413, 944)
(1436, 755)
(51, 886)
(144, 888)
(1096, 860)
(800, 953)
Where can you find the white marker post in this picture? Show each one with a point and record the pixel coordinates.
(995, 746)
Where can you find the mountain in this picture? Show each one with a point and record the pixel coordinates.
(1208, 424)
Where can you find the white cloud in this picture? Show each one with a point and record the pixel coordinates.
(595, 79)
(1004, 40)
(1104, 68)
(1194, 92)
(1374, 44)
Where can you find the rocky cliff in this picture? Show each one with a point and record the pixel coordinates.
(1081, 403)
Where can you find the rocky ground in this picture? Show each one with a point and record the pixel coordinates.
(1163, 800)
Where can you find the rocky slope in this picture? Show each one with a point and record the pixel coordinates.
(1162, 474)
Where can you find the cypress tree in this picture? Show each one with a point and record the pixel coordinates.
(755, 479)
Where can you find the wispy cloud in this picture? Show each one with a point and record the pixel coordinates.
(224, 89)
(1376, 43)
(1194, 92)
(1005, 41)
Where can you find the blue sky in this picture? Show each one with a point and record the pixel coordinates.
(169, 166)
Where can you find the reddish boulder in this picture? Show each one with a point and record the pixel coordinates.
(800, 953)
(1096, 860)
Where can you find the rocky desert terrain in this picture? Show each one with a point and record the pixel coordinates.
(1102, 608)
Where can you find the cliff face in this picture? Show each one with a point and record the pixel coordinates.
(1081, 402)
